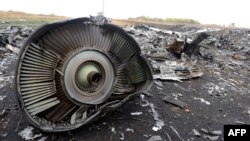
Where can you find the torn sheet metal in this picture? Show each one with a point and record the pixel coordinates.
(28, 133)
(177, 71)
(13, 49)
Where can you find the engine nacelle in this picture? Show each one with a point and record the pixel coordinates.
(71, 73)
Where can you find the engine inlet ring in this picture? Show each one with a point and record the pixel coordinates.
(95, 94)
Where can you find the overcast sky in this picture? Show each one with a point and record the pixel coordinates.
(206, 11)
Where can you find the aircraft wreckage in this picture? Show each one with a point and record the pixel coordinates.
(73, 72)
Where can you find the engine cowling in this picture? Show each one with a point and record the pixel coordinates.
(71, 73)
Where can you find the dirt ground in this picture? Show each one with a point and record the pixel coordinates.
(221, 96)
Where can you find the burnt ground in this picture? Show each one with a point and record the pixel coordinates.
(221, 96)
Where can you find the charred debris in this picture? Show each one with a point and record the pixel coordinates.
(180, 52)
(176, 53)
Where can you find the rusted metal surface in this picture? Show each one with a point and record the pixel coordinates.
(177, 47)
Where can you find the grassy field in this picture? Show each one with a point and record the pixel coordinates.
(13, 18)
(157, 22)
(166, 20)
(124, 22)
(9, 18)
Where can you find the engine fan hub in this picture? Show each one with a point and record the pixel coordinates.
(88, 77)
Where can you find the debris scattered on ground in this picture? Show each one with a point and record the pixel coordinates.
(213, 89)
(239, 122)
(28, 133)
(13, 49)
(155, 138)
(204, 130)
(174, 101)
(212, 138)
(159, 122)
(217, 50)
(11, 40)
(177, 95)
(175, 131)
(158, 83)
(136, 113)
(169, 138)
(146, 136)
(179, 46)
(4, 134)
(211, 135)
(216, 132)
(202, 100)
(14, 35)
(113, 130)
(130, 130)
(122, 136)
(193, 48)
(223, 55)
(196, 133)
(2, 113)
(2, 97)
(165, 65)
(177, 70)
(4, 80)
(176, 46)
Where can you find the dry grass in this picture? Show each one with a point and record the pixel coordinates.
(166, 20)
(164, 25)
(8, 18)
(25, 16)
(122, 23)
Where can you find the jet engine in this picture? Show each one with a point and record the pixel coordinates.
(73, 72)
